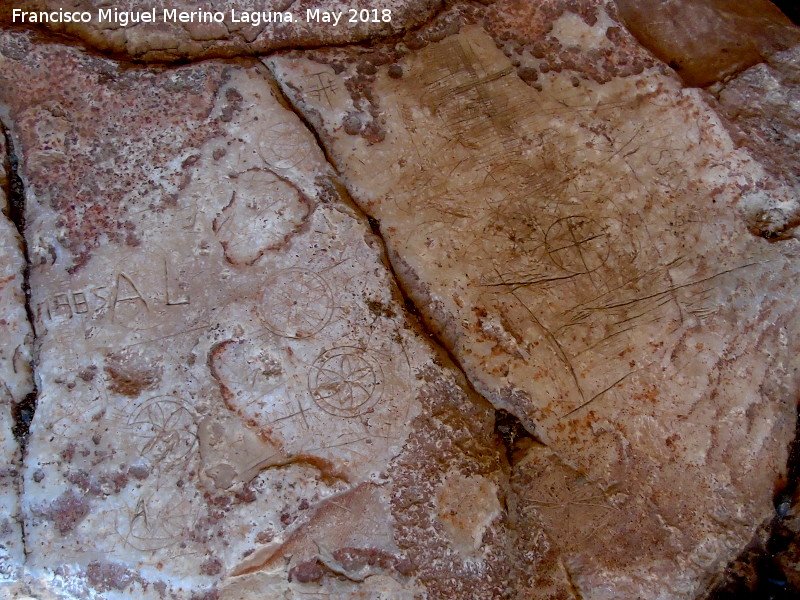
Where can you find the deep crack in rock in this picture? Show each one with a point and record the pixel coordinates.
(23, 410)
(511, 432)
(505, 417)
(508, 428)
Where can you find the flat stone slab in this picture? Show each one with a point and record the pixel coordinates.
(707, 41)
(233, 400)
(582, 249)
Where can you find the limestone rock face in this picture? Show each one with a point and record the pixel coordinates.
(583, 251)
(763, 106)
(15, 378)
(232, 398)
(140, 29)
(489, 306)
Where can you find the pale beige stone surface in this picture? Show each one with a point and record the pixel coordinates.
(584, 253)
(763, 106)
(235, 401)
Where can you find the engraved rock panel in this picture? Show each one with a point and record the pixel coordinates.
(228, 406)
(235, 401)
(582, 248)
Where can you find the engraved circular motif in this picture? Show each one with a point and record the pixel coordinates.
(296, 303)
(578, 244)
(166, 430)
(282, 147)
(345, 381)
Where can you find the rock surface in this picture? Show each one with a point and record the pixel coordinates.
(708, 40)
(15, 378)
(588, 264)
(584, 386)
(191, 30)
(231, 395)
(763, 107)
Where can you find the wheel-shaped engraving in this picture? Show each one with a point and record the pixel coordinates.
(284, 147)
(296, 303)
(165, 429)
(578, 244)
(345, 382)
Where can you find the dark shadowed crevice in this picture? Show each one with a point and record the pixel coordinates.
(23, 410)
(761, 571)
(576, 593)
(791, 8)
(512, 433)
(505, 418)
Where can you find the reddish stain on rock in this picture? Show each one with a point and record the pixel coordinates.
(307, 572)
(109, 576)
(212, 566)
(65, 512)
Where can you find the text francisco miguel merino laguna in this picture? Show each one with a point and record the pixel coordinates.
(199, 15)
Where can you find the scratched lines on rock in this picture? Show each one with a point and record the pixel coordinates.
(574, 234)
(138, 294)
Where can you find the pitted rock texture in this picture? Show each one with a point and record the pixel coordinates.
(584, 253)
(762, 105)
(249, 27)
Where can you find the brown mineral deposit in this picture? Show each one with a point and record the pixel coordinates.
(708, 40)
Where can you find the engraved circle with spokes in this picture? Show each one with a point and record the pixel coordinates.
(296, 303)
(345, 381)
(166, 430)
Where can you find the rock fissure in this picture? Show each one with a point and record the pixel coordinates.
(510, 432)
(766, 564)
(573, 586)
(337, 347)
(23, 410)
(510, 424)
